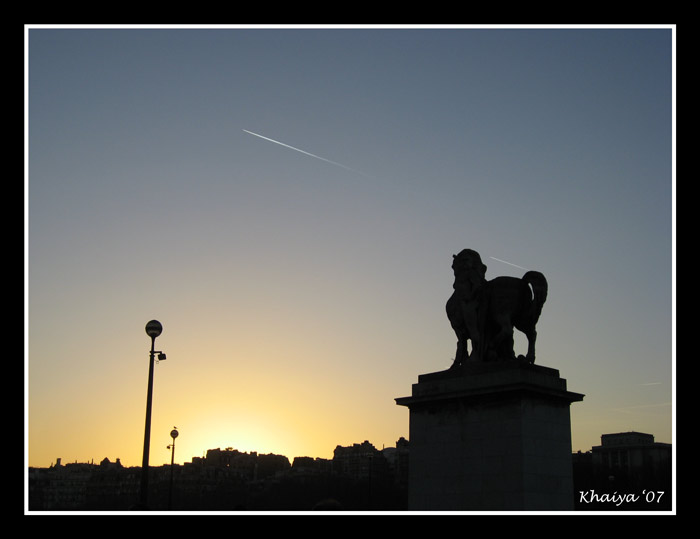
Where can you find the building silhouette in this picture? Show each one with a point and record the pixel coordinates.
(629, 464)
(358, 477)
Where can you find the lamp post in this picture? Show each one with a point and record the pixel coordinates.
(173, 433)
(153, 329)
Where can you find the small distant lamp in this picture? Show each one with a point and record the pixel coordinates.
(173, 435)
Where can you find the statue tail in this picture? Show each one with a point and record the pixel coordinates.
(539, 288)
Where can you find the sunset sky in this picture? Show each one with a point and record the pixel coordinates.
(301, 292)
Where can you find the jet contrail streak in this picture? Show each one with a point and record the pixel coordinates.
(627, 409)
(306, 153)
(493, 257)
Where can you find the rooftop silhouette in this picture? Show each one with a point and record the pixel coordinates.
(358, 477)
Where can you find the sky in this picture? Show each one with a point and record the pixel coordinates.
(287, 201)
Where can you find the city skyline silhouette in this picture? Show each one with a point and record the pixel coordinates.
(299, 298)
(359, 477)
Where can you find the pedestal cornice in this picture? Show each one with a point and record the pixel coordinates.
(488, 380)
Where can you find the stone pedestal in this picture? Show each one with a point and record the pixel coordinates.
(490, 437)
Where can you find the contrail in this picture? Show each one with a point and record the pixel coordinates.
(626, 409)
(493, 257)
(306, 153)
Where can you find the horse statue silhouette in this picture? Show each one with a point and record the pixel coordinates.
(485, 312)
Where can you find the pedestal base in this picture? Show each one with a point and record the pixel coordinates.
(490, 437)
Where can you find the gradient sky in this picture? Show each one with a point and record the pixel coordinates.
(300, 296)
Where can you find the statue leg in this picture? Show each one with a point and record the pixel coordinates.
(503, 340)
(461, 354)
(531, 338)
(458, 355)
(471, 322)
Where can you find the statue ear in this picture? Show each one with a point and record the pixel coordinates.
(454, 256)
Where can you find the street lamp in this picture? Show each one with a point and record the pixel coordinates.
(173, 433)
(153, 329)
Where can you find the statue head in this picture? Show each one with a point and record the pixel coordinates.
(468, 262)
